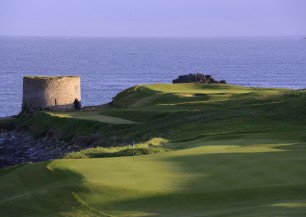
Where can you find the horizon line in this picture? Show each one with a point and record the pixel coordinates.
(148, 36)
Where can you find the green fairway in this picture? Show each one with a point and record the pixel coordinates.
(221, 151)
(92, 115)
(246, 179)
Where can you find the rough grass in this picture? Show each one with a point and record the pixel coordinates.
(236, 151)
(151, 147)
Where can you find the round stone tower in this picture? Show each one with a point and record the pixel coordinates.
(50, 93)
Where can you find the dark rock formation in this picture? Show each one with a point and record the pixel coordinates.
(20, 147)
(197, 78)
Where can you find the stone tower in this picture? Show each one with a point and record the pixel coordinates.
(50, 93)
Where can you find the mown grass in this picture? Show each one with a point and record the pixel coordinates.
(91, 115)
(235, 151)
(229, 177)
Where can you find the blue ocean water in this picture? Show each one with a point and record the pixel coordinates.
(109, 65)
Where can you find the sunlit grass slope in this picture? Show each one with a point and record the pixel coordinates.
(92, 115)
(236, 151)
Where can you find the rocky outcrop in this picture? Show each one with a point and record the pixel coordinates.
(197, 78)
(21, 147)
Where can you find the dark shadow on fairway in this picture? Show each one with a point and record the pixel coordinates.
(245, 202)
(231, 184)
(34, 190)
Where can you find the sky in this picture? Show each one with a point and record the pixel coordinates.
(155, 18)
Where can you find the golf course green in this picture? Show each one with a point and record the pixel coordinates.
(200, 150)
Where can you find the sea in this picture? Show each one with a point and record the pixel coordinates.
(110, 65)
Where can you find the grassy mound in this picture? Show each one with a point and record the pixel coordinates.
(238, 152)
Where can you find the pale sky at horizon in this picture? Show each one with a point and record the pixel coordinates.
(191, 18)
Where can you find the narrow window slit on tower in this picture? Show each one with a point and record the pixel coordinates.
(55, 103)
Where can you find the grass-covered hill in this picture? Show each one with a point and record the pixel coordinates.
(219, 150)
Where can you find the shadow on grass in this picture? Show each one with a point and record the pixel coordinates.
(243, 202)
(231, 184)
(38, 190)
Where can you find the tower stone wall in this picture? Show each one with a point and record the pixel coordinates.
(50, 93)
